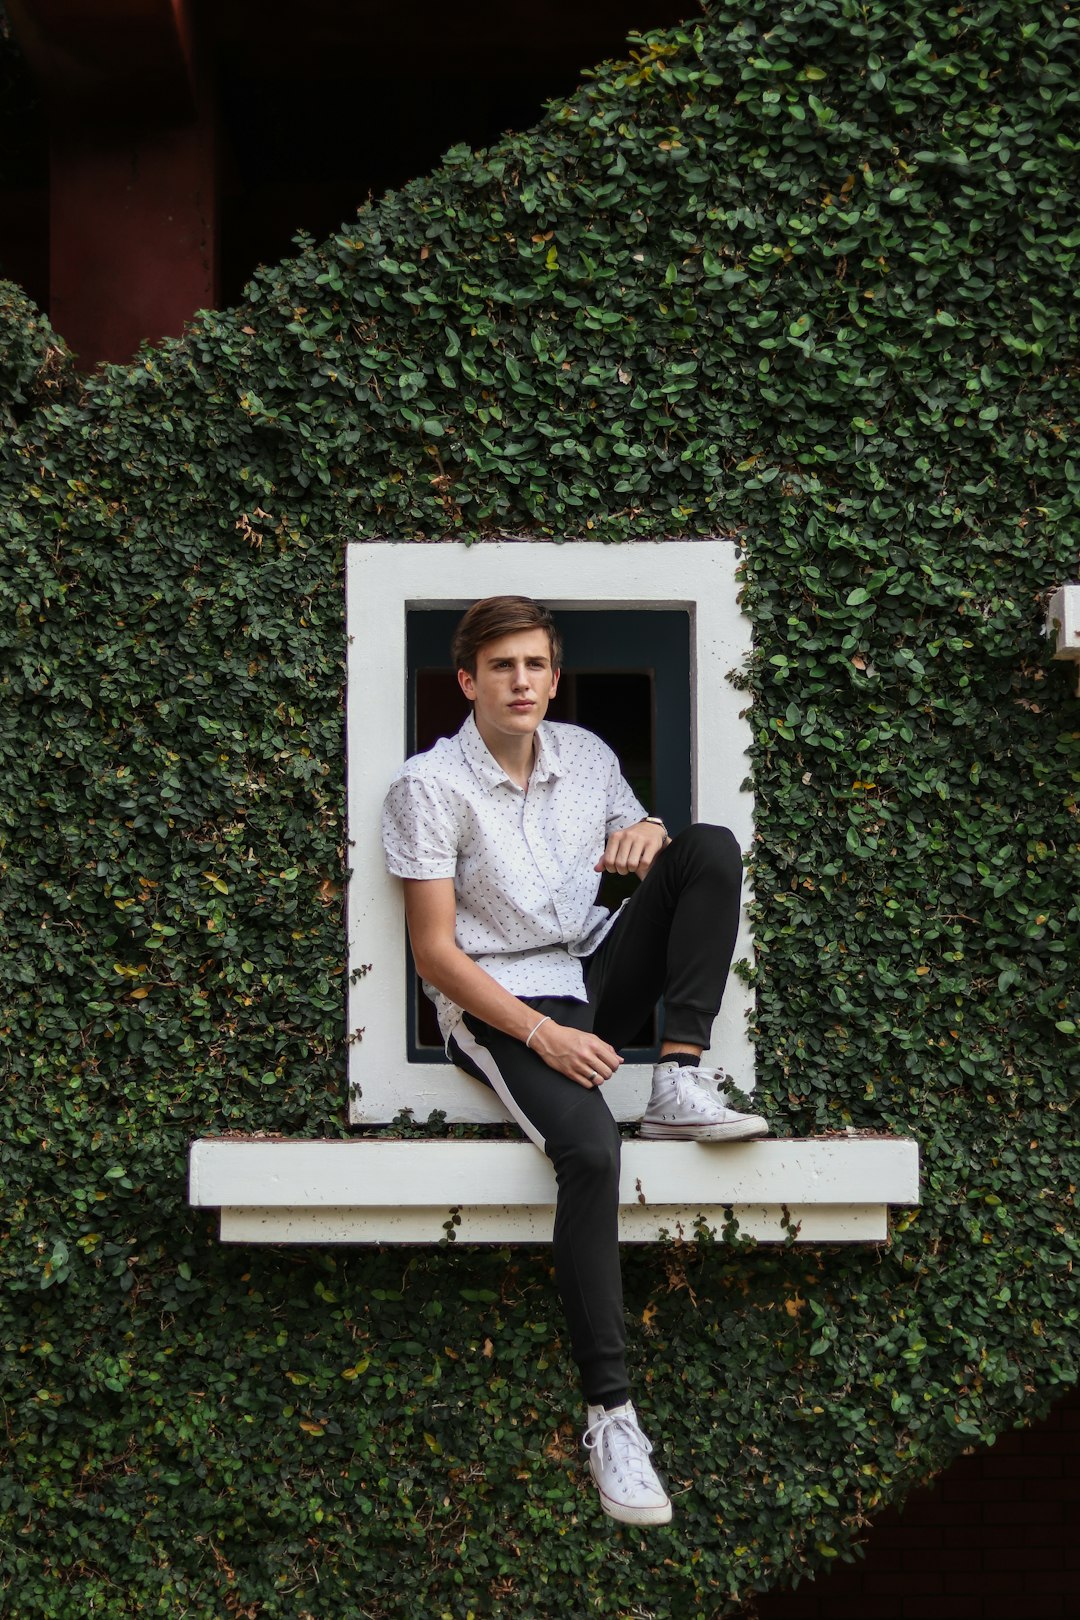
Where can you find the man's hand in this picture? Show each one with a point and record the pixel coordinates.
(581, 1056)
(632, 850)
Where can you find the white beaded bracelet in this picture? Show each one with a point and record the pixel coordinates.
(545, 1020)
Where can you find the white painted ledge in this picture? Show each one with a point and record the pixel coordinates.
(834, 1189)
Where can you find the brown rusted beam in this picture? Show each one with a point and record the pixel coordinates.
(133, 181)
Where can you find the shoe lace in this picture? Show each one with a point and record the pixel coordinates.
(711, 1084)
(709, 1077)
(687, 1092)
(627, 1447)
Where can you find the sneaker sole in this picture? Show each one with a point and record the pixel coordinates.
(748, 1130)
(661, 1514)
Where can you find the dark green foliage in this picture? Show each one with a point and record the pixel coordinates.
(801, 271)
(35, 365)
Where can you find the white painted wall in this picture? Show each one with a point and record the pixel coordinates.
(386, 579)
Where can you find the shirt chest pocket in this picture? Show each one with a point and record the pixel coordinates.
(578, 832)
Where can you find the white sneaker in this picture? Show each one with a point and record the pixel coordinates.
(715, 1082)
(629, 1487)
(687, 1105)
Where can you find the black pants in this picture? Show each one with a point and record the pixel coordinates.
(674, 938)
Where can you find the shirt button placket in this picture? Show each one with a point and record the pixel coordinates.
(532, 814)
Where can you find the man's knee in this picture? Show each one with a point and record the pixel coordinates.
(711, 849)
(593, 1157)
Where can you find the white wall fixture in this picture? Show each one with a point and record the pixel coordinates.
(1063, 620)
(833, 1189)
(386, 580)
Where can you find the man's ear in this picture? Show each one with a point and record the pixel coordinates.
(554, 684)
(467, 684)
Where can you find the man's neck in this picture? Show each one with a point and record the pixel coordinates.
(515, 754)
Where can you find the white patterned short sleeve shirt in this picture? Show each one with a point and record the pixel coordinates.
(522, 861)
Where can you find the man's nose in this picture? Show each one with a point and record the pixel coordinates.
(521, 675)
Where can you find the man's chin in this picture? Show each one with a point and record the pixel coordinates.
(515, 724)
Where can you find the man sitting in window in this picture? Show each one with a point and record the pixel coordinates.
(500, 833)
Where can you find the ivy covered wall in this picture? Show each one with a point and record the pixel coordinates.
(803, 272)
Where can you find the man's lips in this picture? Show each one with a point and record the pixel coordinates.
(523, 705)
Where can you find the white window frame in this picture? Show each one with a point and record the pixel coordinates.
(386, 579)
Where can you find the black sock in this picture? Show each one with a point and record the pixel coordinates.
(614, 1397)
(685, 1060)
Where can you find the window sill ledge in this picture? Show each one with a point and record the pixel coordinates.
(830, 1189)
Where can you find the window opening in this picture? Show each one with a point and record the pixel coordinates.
(626, 677)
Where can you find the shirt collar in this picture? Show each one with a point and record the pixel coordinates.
(547, 754)
(486, 767)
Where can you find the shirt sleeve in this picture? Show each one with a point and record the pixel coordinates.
(419, 831)
(623, 806)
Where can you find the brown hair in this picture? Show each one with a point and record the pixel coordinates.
(497, 616)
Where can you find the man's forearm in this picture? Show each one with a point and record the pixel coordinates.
(468, 986)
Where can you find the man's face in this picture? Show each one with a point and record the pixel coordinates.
(513, 684)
